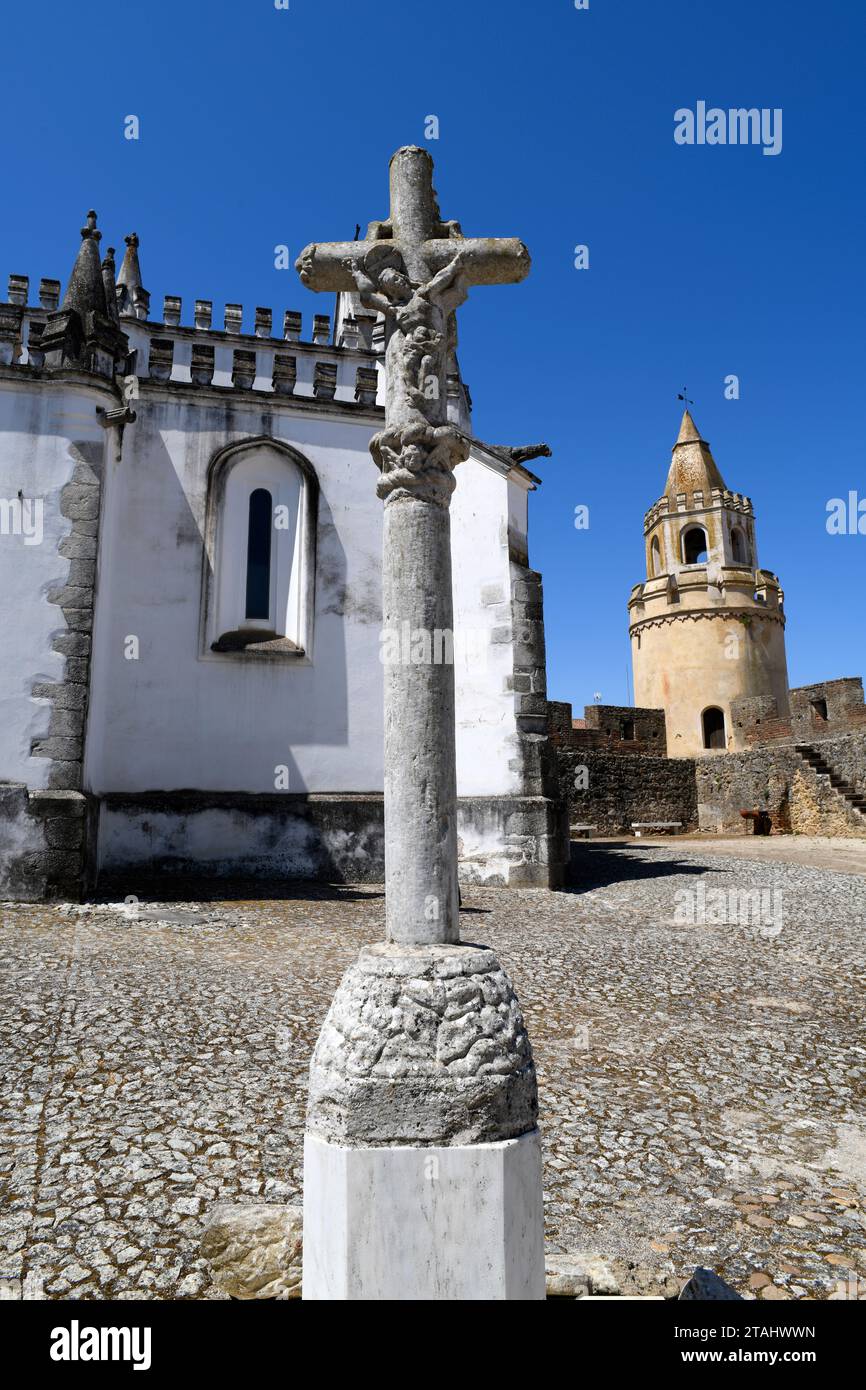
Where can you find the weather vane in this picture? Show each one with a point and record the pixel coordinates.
(683, 396)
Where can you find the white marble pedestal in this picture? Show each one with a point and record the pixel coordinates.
(462, 1222)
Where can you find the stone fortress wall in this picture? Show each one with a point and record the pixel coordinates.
(776, 777)
(816, 711)
(807, 770)
(614, 769)
(610, 728)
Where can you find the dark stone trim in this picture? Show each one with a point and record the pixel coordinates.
(56, 828)
(256, 645)
(80, 502)
(535, 761)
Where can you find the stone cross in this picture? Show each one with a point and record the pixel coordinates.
(415, 270)
(422, 1158)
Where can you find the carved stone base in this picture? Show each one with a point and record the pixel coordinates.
(423, 1045)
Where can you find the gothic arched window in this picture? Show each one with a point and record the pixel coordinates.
(260, 551)
(695, 546)
(738, 546)
(655, 556)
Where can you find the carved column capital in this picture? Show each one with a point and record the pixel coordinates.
(418, 460)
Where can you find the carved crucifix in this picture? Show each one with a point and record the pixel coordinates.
(416, 270)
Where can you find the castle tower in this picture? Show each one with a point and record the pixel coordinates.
(707, 627)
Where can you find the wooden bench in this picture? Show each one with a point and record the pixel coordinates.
(639, 826)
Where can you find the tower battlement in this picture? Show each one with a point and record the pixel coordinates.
(739, 585)
(719, 498)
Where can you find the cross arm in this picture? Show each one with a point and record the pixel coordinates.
(484, 260)
(327, 265)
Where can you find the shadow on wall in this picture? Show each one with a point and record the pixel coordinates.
(182, 888)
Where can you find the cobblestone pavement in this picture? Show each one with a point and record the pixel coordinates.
(815, 851)
(700, 1071)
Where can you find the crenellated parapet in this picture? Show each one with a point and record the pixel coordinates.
(316, 364)
(697, 501)
(106, 326)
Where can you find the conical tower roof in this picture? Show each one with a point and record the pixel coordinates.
(85, 292)
(108, 283)
(83, 333)
(693, 468)
(133, 300)
(130, 270)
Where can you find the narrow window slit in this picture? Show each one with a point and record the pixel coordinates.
(258, 604)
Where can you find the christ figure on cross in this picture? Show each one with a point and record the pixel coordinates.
(418, 319)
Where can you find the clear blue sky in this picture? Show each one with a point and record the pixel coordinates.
(261, 126)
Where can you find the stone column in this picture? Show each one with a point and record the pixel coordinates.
(420, 767)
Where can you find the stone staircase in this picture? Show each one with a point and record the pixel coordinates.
(819, 765)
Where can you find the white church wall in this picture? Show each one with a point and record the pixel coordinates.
(208, 730)
(206, 750)
(486, 724)
(176, 716)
